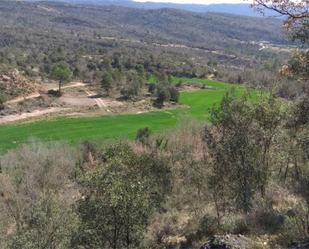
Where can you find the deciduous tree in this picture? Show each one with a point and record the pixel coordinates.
(118, 198)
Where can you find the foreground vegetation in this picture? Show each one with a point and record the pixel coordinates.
(246, 173)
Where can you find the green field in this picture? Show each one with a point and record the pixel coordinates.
(75, 130)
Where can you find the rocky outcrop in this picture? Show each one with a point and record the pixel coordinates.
(229, 242)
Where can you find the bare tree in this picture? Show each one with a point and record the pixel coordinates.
(293, 10)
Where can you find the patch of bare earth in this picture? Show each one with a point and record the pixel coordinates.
(31, 92)
(189, 87)
(81, 101)
(33, 114)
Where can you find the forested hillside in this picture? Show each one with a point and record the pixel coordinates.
(157, 25)
(34, 36)
(238, 9)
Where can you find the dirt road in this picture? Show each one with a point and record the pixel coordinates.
(100, 102)
(17, 117)
(47, 88)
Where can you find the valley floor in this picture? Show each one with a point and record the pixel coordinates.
(111, 126)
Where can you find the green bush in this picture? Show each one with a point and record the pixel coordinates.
(143, 135)
(106, 82)
(120, 195)
(179, 83)
(163, 95)
(174, 93)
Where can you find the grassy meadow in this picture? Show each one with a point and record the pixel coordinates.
(196, 105)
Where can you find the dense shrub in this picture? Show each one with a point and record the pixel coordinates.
(36, 196)
(174, 94)
(143, 135)
(163, 95)
(152, 88)
(119, 197)
(208, 226)
(106, 82)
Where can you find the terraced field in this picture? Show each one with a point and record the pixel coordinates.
(74, 130)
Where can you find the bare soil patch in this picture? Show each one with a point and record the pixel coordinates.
(188, 87)
(36, 113)
(77, 101)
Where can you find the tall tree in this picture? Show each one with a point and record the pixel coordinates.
(240, 145)
(62, 73)
(106, 82)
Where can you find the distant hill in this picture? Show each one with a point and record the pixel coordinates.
(155, 25)
(237, 9)
(173, 35)
(36, 35)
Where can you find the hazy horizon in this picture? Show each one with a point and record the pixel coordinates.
(195, 1)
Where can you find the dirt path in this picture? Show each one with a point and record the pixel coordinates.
(71, 85)
(36, 113)
(47, 88)
(20, 99)
(100, 102)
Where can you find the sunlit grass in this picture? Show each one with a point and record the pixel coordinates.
(73, 130)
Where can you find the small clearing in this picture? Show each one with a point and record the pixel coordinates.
(103, 103)
(46, 88)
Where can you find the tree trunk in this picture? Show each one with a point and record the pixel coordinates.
(59, 89)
